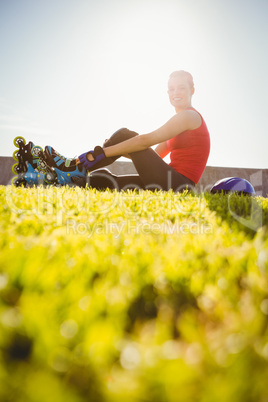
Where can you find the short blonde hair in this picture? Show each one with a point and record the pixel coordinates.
(187, 76)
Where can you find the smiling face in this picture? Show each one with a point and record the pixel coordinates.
(180, 91)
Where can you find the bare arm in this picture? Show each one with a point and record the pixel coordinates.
(186, 120)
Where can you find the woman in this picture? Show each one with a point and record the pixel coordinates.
(185, 136)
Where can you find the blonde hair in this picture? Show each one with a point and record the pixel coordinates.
(186, 75)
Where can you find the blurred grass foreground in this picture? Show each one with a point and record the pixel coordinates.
(132, 296)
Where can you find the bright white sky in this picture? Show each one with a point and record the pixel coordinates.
(74, 71)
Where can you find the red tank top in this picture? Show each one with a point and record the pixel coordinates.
(189, 151)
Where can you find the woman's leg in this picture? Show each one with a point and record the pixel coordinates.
(157, 174)
(103, 178)
(153, 171)
(120, 135)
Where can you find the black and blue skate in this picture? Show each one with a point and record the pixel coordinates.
(65, 169)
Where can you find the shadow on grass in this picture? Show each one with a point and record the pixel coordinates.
(241, 212)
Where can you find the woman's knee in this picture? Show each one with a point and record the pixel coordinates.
(120, 135)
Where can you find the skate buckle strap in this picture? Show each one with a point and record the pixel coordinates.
(58, 160)
(68, 162)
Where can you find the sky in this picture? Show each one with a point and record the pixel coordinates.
(72, 72)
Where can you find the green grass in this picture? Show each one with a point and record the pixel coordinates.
(134, 296)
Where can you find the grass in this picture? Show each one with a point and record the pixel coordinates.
(134, 296)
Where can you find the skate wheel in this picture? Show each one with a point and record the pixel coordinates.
(49, 178)
(41, 165)
(15, 155)
(15, 168)
(37, 151)
(16, 181)
(19, 140)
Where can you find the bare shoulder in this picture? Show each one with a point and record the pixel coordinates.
(192, 117)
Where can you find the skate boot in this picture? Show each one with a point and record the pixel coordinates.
(56, 160)
(49, 175)
(65, 170)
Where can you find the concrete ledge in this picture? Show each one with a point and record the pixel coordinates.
(257, 177)
(6, 174)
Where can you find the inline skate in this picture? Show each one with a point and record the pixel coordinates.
(28, 169)
(65, 169)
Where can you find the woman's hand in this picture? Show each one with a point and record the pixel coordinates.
(90, 159)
